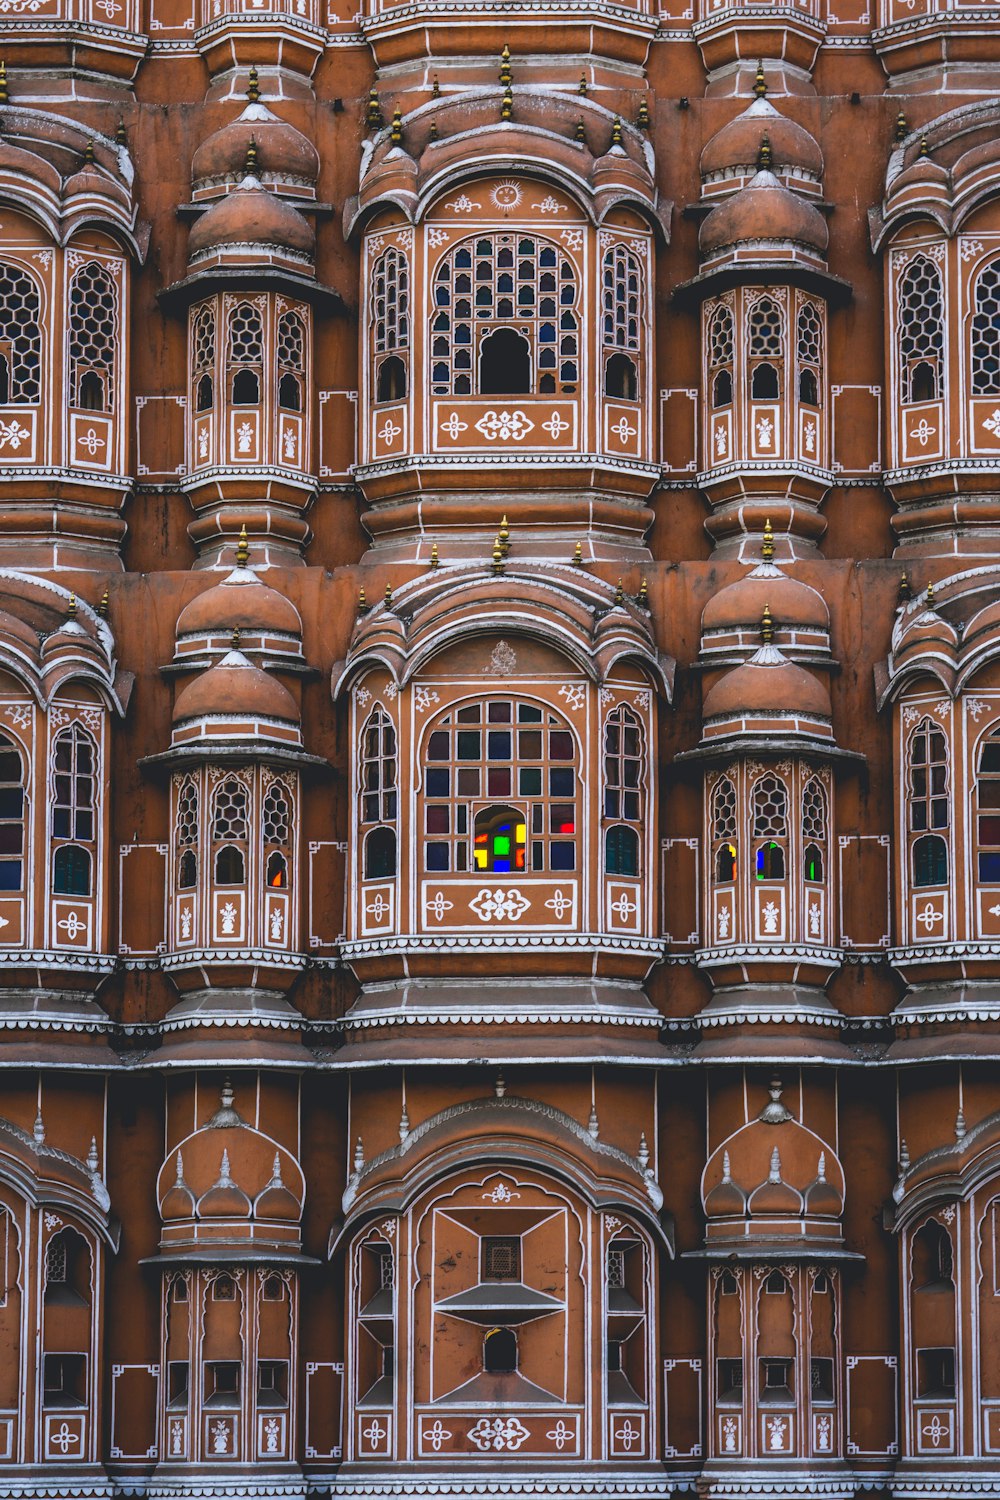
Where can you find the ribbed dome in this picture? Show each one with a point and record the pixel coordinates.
(234, 687)
(241, 601)
(768, 683)
(738, 143)
(251, 215)
(282, 151)
(764, 210)
(792, 604)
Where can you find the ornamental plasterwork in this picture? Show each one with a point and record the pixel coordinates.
(463, 204)
(574, 693)
(503, 660)
(968, 249)
(975, 708)
(506, 196)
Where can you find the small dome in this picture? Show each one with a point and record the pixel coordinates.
(763, 210)
(250, 215)
(178, 1200)
(282, 151)
(224, 1199)
(276, 1201)
(792, 604)
(240, 602)
(767, 683)
(234, 687)
(737, 144)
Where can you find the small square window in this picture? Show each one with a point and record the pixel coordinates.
(468, 781)
(498, 744)
(529, 781)
(560, 781)
(501, 1258)
(498, 781)
(469, 743)
(436, 856)
(439, 783)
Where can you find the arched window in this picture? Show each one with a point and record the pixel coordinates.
(770, 823)
(186, 836)
(622, 315)
(621, 850)
(11, 816)
(203, 356)
(230, 832)
(724, 831)
(621, 378)
(521, 761)
(920, 330)
(986, 332)
(378, 796)
(809, 353)
(928, 802)
(766, 349)
(276, 830)
(391, 323)
(74, 799)
(518, 280)
(391, 382)
(20, 337)
(721, 346)
(500, 1351)
(93, 338)
(623, 790)
(291, 361)
(988, 811)
(933, 1257)
(814, 830)
(930, 860)
(246, 354)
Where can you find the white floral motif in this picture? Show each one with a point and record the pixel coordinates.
(938, 1431)
(729, 1435)
(642, 698)
(375, 244)
(942, 708)
(815, 919)
(627, 1435)
(721, 442)
(823, 1435)
(910, 713)
(624, 908)
(290, 443)
(929, 917)
(500, 1433)
(378, 907)
(776, 1428)
(968, 248)
(91, 442)
(572, 238)
(271, 1434)
(244, 437)
(176, 1438)
(454, 426)
(437, 1435)
(203, 443)
(560, 903)
(13, 433)
(809, 437)
(505, 425)
(975, 708)
(375, 1433)
(550, 206)
(499, 905)
(388, 432)
(503, 660)
(220, 1437)
(923, 432)
(948, 1213)
(463, 204)
(992, 422)
(228, 915)
(500, 1193)
(724, 917)
(362, 696)
(623, 430)
(574, 693)
(277, 924)
(72, 925)
(19, 714)
(765, 428)
(64, 1438)
(607, 695)
(186, 922)
(423, 697)
(437, 906)
(555, 426)
(436, 237)
(391, 691)
(560, 1435)
(771, 915)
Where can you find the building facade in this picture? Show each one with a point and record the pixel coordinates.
(499, 696)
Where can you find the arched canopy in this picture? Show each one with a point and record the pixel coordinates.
(48, 638)
(947, 180)
(46, 1177)
(950, 636)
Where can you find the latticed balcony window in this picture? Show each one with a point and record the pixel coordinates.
(721, 352)
(986, 332)
(378, 796)
(230, 832)
(391, 324)
(73, 812)
(724, 829)
(621, 322)
(766, 349)
(20, 338)
(93, 338)
(769, 807)
(814, 830)
(277, 835)
(928, 803)
(186, 837)
(11, 817)
(246, 353)
(920, 305)
(623, 791)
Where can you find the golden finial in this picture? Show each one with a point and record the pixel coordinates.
(251, 161)
(643, 119)
(234, 640)
(433, 132)
(923, 147)
(643, 595)
(765, 156)
(767, 545)
(760, 82)
(616, 133)
(121, 139)
(905, 593)
(435, 560)
(507, 105)
(902, 128)
(88, 152)
(579, 133)
(766, 626)
(506, 76)
(396, 131)
(435, 88)
(4, 97)
(242, 548)
(373, 114)
(387, 599)
(930, 595)
(362, 602)
(583, 84)
(253, 90)
(620, 593)
(104, 608)
(71, 608)
(504, 536)
(497, 559)
(578, 555)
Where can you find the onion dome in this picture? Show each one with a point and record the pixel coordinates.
(768, 697)
(730, 622)
(249, 226)
(267, 621)
(733, 154)
(224, 1199)
(766, 216)
(286, 159)
(773, 1181)
(178, 1200)
(236, 703)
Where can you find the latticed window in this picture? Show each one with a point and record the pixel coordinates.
(56, 1260)
(73, 811)
(920, 305)
(20, 338)
(291, 360)
(724, 825)
(186, 836)
(378, 794)
(203, 357)
(521, 760)
(814, 829)
(11, 817)
(809, 352)
(616, 1268)
(526, 285)
(988, 811)
(621, 295)
(986, 332)
(93, 337)
(623, 757)
(246, 353)
(230, 830)
(766, 346)
(928, 802)
(391, 302)
(501, 1258)
(276, 826)
(769, 812)
(721, 347)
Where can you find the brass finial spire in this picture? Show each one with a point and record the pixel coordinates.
(766, 626)
(251, 161)
(235, 638)
(387, 598)
(620, 593)
(435, 88)
(242, 548)
(616, 133)
(760, 82)
(71, 608)
(767, 545)
(253, 88)
(583, 84)
(578, 555)
(506, 76)
(4, 97)
(507, 105)
(643, 118)
(121, 138)
(497, 558)
(373, 114)
(396, 130)
(930, 595)
(435, 559)
(923, 147)
(88, 152)
(902, 128)
(765, 156)
(642, 598)
(504, 536)
(432, 133)
(579, 134)
(905, 593)
(362, 602)
(104, 608)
